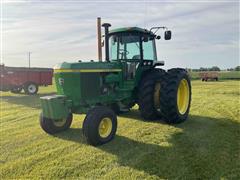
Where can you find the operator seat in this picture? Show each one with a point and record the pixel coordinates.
(136, 57)
(132, 67)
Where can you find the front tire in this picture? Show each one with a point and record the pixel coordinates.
(100, 125)
(176, 97)
(51, 126)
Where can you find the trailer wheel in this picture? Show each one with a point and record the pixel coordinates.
(99, 125)
(31, 88)
(17, 89)
(51, 126)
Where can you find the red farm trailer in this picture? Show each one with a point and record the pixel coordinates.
(15, 79)
(209, 75)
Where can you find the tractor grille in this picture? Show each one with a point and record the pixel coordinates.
(90, 85)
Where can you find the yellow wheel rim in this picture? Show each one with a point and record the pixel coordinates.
(183, 96)
(105, 127)
(59, 123)
(156, 96)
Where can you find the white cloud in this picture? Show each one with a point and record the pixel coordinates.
(59, 31)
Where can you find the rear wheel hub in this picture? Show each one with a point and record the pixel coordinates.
(183, 96)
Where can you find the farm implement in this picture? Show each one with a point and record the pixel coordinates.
(129, 75)
(16, 79)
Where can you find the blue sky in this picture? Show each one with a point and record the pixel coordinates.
(204, 33)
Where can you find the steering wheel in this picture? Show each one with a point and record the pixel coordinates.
(123, 52)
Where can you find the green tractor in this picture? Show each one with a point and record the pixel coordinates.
(130, 75)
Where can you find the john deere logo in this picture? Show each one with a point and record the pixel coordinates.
(61, 81)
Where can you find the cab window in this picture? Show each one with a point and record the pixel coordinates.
(149, 52)
(127, 47)
(124, 47)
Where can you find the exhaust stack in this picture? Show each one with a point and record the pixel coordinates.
(106, 27)
(99, 39)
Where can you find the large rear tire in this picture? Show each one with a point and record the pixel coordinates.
(176, 96)
(149, 94)
(51, 126)
(99, 125)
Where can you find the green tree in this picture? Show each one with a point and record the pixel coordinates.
(203, 69)
(237, 68)
(215, 68)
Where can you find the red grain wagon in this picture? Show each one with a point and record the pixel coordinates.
(15, 79)
(209, 75)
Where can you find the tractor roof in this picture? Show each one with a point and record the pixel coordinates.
(130, 29)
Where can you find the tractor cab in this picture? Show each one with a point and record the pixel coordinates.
(134, 47)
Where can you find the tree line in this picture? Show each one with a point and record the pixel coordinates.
(215, 68)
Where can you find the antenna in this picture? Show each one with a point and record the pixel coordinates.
(145, 14)
(29, 59)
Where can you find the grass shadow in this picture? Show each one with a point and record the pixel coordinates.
(72, 134)
(25, 100)
(132, 114)
(205, 148)
(135, 115)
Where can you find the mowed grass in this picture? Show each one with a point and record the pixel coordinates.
(206, 146)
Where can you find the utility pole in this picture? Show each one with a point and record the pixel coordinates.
(29, 59)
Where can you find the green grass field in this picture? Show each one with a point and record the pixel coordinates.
(222, 75)
(206, 146)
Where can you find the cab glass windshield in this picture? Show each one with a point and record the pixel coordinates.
(127, 47)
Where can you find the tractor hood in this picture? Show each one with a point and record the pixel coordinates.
(87, 67)
(82, 82)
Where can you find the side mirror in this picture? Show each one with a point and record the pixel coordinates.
(167, 35)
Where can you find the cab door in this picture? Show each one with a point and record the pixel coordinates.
(129, 55)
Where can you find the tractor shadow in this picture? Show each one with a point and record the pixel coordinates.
(132, 114)
(72, 134)
(203, 147)
(32, 101)
(135, 115)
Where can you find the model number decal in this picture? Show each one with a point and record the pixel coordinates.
(61, 81)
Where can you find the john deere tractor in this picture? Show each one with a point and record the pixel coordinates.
(129, 75)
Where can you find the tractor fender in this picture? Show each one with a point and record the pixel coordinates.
(145, 74)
